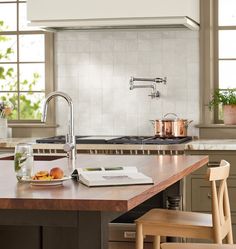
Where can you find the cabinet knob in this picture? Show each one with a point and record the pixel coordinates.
(209, 196)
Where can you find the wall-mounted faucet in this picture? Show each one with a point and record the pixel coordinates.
(70, 145)
(155, 93)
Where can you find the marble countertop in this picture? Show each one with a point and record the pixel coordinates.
(11, 142)
(211, 144)
(200, 144)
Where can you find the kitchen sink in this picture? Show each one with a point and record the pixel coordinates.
(36, 158)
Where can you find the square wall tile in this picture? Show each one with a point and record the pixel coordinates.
(95, 68)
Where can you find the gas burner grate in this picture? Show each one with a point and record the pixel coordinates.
(174, 140)
(148, 140)
(56, 140)
(128, 140)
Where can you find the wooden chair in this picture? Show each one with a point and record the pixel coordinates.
(196, 246)
(215, 226)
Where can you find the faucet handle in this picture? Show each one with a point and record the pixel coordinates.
(68, 147)
(155, 94)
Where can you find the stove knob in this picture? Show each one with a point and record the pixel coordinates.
(68, 147)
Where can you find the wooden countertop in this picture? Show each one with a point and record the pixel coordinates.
(165, 171)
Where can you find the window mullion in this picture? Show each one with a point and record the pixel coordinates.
(28, 66)
(18, 59)
(216, 56)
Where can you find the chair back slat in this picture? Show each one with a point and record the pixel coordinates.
(220, 199)
(219, 173)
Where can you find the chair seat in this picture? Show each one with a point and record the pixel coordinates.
(175, 223)
(175, 218)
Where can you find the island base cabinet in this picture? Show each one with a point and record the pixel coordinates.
(198, 190)
(17, 237)
(28, 229)
(61, 237)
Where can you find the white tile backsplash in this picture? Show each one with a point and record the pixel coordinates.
(94, 68)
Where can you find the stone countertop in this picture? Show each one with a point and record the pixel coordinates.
(11, 142)
(211, 144)
(200, 144)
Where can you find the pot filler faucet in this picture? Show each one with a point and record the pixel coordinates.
(70, 145)
(154, 93)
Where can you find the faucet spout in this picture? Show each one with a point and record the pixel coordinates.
(70, 146)
(154, 93)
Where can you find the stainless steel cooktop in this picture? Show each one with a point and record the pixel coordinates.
(117, 140)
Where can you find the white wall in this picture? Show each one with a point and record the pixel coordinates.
(94, 68)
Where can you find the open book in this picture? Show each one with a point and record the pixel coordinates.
(110, 176)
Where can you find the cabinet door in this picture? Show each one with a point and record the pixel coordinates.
(214, 160)
(100, 9)
(201, 195)
(16, 237)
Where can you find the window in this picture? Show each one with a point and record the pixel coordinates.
(227, 40)
(25, 62)
(226, 49)
(217, 55)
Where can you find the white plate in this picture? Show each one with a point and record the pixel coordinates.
(52, 182)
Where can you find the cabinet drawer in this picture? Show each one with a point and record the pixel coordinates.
(214, 160)
(201, 195)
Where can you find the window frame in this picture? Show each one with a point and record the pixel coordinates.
(48, 62)
(209, 59)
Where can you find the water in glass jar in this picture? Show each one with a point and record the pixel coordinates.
(23, 161)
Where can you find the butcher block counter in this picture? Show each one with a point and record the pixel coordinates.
(80, 213)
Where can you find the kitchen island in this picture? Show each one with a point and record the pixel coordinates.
(73, 215)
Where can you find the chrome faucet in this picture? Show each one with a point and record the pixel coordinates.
(70, 145)
(154, 93)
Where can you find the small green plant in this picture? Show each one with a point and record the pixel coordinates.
(19, 159)
(223, 97)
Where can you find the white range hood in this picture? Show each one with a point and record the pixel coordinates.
(101, 14)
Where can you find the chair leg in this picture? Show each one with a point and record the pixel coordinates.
(218, 240)
(229, 237)
(157, 242)
(139, 236)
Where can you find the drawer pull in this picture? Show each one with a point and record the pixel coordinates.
(213, 164)
(209, 196)
(129, 235)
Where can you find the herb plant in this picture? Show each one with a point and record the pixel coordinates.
(224, 97)
(20, 158)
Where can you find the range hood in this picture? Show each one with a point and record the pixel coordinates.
(128, 23)
(102, 14)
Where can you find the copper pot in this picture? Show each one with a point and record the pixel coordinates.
(171, 127)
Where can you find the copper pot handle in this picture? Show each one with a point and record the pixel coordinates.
(152, 121)
(188, 122)
(171, 113)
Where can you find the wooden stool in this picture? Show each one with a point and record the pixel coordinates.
(196, 246)
(215, 226)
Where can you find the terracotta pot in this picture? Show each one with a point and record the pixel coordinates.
(229, 114)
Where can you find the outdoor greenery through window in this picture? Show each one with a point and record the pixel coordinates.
(22, 62)
(226, 52)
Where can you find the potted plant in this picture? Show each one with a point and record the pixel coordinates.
(226, 98)
(5, 111)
